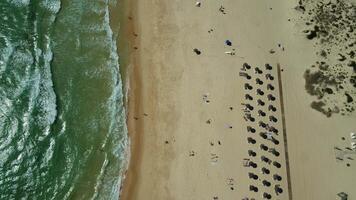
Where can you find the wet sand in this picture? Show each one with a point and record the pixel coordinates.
(186, 121)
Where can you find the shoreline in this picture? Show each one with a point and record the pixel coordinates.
(131, 82)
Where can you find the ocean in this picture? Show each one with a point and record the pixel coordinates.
(62, 119)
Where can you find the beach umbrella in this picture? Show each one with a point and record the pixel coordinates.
(252, 164)
(266, 195)
(228, 42)
(274, 130)
(268, 66)
(258, 71)
(277, 177)
(259, 81)
(270, 87)
(250, 129)
(265, 159)
(264, 147)
(251, 153)
(275, 163)
(253, 188)
(252, 119)
(265, 170)
(261, 113)
(270, 77)
(260, 92)
(260, 102)
(271, 97)
(248, 97)
(248, 86)
(262, 124)
(272, 108)
(266, 183)
(246, 66)
(278, 189)
(252, 176)
(275, 141)
(251, 140)
(248, 106)
(274, 152)
(273, 118)
(197, 51)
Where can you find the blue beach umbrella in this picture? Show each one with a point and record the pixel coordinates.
(228, 42)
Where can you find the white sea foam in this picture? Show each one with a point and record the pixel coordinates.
(51, 5)
(19, 3)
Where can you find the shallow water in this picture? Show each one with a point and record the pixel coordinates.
(62, 122)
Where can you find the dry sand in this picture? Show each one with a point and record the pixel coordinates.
(167, 114)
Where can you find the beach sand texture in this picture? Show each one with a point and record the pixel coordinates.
(186, 107)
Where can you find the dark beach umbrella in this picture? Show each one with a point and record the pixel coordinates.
(265, 170)
(274, 152)
(270, 77)
(275, 141)
(260, 92)
(278, 189)
(271, 97)
(272, 108)
(253, 188)
(277, 177)
(252, 119)
(197, 51)
(248, 106)
(250, 129)
(252, 176)
(265, 159)
(270, 86)
(228, 42)
(260, 102)
(266, 183)
(262, 124)
(251, 140)
(259, 81)
(251, 153)
(252, 164)
(268, 66)
(272, 118)
(248, 97)
(261, 113)
(246, 66)
(248, 86)
(264, 147)
(266, 195)
(275, 163)
(274, 130)
(258, 70)
(263, 135)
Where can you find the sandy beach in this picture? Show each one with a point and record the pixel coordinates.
(218, 108)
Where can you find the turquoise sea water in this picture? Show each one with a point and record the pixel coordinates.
(62, 121)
